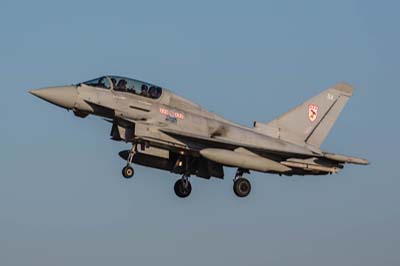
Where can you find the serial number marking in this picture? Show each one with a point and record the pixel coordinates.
(171, 113)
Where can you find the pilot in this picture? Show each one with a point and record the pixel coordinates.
(121, 86)
(144, 91)
(100, 83)
(132, 89)
(153, 92)
(157, 93)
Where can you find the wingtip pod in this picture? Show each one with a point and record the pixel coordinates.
(344, 88)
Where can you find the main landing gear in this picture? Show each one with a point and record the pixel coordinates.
(182, 187)
(241, 186)
(128, 171)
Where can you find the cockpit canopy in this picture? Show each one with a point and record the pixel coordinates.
(123, 84)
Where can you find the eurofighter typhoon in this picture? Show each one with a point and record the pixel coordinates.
(171, 133)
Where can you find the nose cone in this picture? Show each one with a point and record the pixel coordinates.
(64, 96)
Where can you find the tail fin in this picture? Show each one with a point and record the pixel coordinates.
(311, 121)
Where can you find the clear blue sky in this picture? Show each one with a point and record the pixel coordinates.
(63, 200)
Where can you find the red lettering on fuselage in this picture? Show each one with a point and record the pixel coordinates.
(171, 113)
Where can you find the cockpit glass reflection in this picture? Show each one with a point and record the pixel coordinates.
(102, 82)
(122, 84)
(135, 87)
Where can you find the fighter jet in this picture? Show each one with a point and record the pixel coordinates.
(171, 133)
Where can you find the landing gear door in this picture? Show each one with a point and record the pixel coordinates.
(148, 131)
(144, 130)
(119, 132)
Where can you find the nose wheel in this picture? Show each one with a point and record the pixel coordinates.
(128, 172)
(241, 186)
(182, 187)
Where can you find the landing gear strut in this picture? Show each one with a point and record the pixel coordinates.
(128, 171)
(241, 186)
(183, 187)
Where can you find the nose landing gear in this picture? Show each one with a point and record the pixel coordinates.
(128, 171)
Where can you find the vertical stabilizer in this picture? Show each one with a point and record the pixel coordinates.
(311, 121)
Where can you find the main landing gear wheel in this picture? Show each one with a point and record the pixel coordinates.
(241, 187)
(128, 172)
(182, 188)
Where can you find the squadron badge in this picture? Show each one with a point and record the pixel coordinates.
(313, 112)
